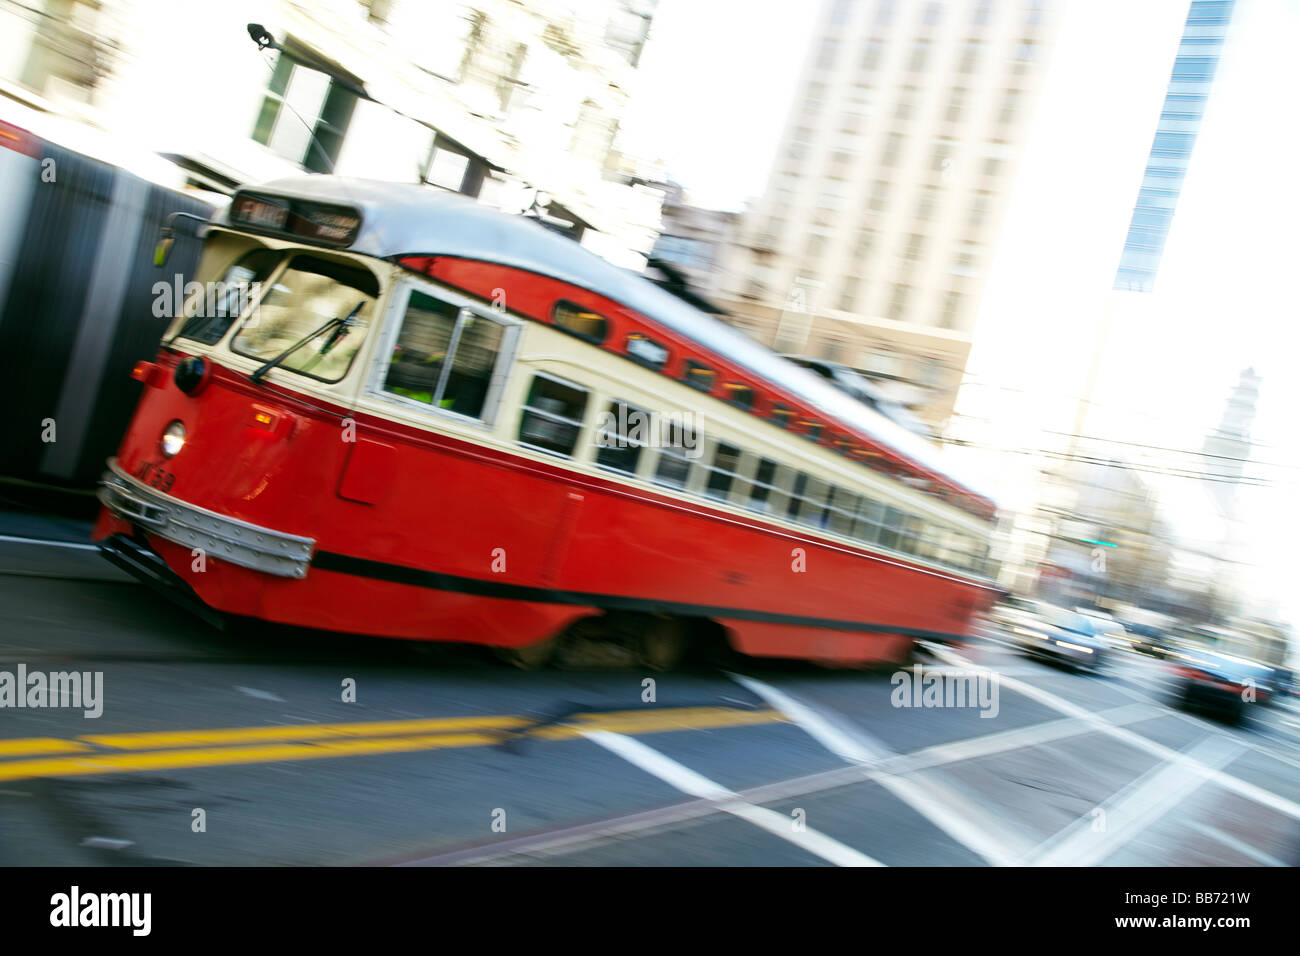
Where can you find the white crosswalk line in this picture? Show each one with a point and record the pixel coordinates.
(946, 809)
(688, 781)
(1238, 786)
(1133, 809)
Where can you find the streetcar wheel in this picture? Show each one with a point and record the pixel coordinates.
(530, 658)
(660, 644)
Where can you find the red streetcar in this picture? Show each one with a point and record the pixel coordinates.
(393, 411)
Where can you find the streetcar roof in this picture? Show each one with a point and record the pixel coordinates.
(400, 219)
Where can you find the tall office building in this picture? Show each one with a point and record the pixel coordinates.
(1171, 151)
(871, 242)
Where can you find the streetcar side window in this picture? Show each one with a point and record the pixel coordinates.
(796, 495)
(741, 396)
(580, 321)
(552, 417)
(624, 431)
(726, 462)
(762, 485)
(681, 444)
(699, 376)
(843, 505)
(814, 510)
(890, 528)
(444, 356)
(866, 527)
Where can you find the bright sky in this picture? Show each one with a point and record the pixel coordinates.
(715, 89)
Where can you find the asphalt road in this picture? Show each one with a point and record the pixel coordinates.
(447, 756)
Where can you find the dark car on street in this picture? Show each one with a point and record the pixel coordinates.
(1222, 684)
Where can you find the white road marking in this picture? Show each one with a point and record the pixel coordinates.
(943, 807)
(1136, 807)
(1238, 786)
(1230, 841)
(1035, 735)
(259, 694)
(849, 748)
(688, 781)
(75, 545)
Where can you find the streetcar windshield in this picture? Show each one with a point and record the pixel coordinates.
(210, 316)
(308, 294)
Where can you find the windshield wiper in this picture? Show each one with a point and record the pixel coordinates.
(340, 327)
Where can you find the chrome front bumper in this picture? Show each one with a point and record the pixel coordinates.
(217, 536)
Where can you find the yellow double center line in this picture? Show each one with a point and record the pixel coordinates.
(175, 749)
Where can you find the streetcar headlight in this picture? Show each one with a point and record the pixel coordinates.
(173, 439)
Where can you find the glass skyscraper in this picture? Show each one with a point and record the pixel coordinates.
(1180, 121)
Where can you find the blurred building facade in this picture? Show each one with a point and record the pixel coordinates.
(695, 241)
(871, 242)
(514, 103)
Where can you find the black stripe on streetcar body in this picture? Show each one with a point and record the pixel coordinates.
(437, 580)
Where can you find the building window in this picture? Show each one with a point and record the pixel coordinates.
(915, 243)
(445, 357)
(447, 167)
(903, 109)
(942, 158)
(933, 14)
(951, 313)
(898, 301)
(879, 195)
(866, 241)
(849, 294)
(871, 54)
(1025, 53)
(552, 416)
(978, 210)
(920, 56)
(1010, 104)
(964, 263)
(885, 12)
(305, 115)
(893, 144)
(970, 56)
(992, 166)
(624, 431)
(826, 56)
(925, 206)
(956, 103)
